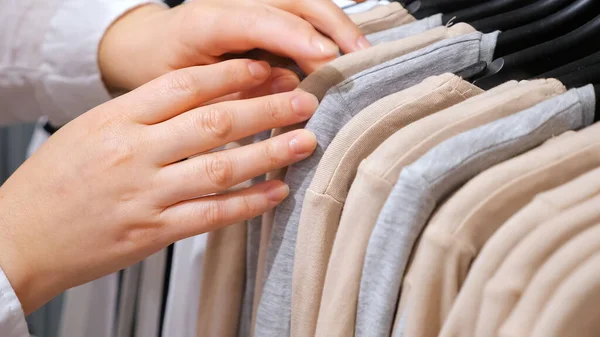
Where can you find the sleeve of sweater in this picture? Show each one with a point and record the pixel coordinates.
(49, 56)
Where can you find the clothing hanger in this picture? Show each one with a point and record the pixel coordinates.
(173, 3)
(521, 16)
(553, 26)
(470, 72)
(597, 94)
(581, 77)
(484, 10)
(543, 57)
(445, 5)
(413, 7)
(573, 66)
(404, 3)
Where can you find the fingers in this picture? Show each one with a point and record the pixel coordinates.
(272, 29)
(281, 80)
(328, 18)
(218, 171)
(206, 214)
(208, 127)
(185, 89)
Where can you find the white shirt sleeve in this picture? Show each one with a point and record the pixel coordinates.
(12, 319)
(49, 56)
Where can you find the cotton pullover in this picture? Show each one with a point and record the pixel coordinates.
(547, 280)
(342, 103)
(382, 18)
(222, 284)
(223, 276)
(573, 311)
(378, 174)
(460, 228)
(406, 30)
(325, 197)
(449, 165)
(503, 291)
(462, 318)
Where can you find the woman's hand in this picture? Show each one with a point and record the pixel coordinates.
(112, 187)
(150, 41)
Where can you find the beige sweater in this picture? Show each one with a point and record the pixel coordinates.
(382, 18)
(222, 284)
(463, 316)
(547, 280)
(573, 310)
(503, 291)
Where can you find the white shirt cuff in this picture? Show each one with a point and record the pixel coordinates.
(12, 318)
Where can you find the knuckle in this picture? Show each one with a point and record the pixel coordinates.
(251, 18)
(183, 81)
(274, 111)
(248, 207)
(220, 171)
(237, 72)
(217, 122)
(117, 154)
(213, 213)
(271, 155)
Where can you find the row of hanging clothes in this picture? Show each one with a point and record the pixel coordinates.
(454, 189)
(453, 192)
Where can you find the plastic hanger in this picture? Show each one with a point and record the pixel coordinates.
(413, 7)
(559, 23)
(545, 57)
(419, 13)
(173, 3)
(484, 10)
(472, 71)
(581, 77)
(447, 5)
(404, 3)
(480, 70)
(573, 66)
(597, 94)
(521, 16)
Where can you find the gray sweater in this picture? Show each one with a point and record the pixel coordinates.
(406, 30)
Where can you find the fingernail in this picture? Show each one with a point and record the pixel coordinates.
(284, 84)
(363, 43)
(304, 105)
(304, 143)
(278, 192)
(324, 46)
(258, 69)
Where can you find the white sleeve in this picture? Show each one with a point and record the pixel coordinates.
(49, 56)
(12, 319)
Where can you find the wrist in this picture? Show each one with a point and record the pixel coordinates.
(126, 49)
(22, 257)
(18, 271)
